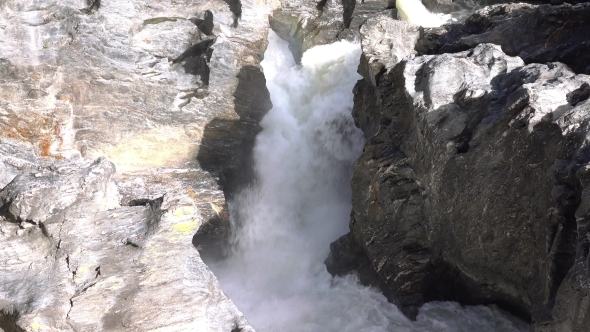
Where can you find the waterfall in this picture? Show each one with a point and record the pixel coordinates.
(304, 159)
(413, 11)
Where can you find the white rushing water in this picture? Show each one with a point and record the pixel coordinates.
(413, 11)
(304, 159)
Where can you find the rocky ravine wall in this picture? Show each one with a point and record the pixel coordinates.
(471, 186)
(472, 183)
(170, 92)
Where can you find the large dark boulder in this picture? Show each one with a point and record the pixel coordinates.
(537, 34)
(468, 186)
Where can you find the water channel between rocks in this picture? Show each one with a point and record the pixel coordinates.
(304, 159)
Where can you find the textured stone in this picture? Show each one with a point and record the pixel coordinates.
(87, 265)
(537, 34)
(466, 189)
(170, 92)
(385, 43)
(305, 24)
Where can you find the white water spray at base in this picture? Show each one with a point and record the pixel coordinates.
(304, 159)
(413, 11)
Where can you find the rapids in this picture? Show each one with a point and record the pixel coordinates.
(304, 159)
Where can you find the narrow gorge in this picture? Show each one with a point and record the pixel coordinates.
(220, 165)
(304, 159)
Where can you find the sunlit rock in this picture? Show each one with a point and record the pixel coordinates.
(107, 244)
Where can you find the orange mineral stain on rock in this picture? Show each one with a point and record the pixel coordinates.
(192, 193)
(38, 130)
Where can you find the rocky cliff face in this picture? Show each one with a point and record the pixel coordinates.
(170, 92)
(471, 186)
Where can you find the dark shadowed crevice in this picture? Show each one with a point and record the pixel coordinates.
(545, 34)
(152, 215)
(212, 238)
(463, 146)
(226, 151)
(226, 147)
(462, 141)
(321, 4)
(93, 6)
(235, 6)
(10, 217)
(8, 321)
(562, 233)
(154, 204)
(447, 283)
(579, 95)
(347, 257)
(251, 98)
(348, 6)
(195, 60)
(204, 21)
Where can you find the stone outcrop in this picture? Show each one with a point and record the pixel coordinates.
(74, 259)
(471, 186)
(124, 126)
(537, 34)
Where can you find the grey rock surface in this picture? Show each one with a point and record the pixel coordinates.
(124, 127)
(471, 184)
(468, 186)
(537, 34)
(385, 42)
(73, 259)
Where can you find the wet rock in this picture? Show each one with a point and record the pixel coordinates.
(306, 24)
(347, 257)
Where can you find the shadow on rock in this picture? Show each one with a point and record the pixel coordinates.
(8, 322)
(226, 153)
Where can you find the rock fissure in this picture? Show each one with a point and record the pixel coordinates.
(195, 60)
(204, 21)
(8, 321)
(93, 7)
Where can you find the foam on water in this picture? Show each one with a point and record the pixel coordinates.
(304, 159)
(413, 11)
